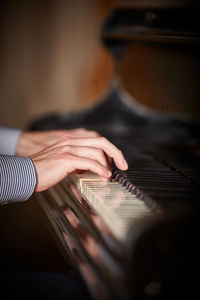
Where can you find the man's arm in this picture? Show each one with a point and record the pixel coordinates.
(45, 158)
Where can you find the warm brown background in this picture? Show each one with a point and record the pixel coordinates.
(51, 57)
(52, 60)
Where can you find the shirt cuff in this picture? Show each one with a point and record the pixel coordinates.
(9, 138)
(17, 178)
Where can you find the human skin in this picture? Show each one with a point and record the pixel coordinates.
(57, 153)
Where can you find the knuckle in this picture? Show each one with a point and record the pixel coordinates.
(102, 139)
(120, 152)
(66, 148)
(68, 140)
(62, 142)
(60, 134)
(94, 164)
(95, 133)
(101, 154)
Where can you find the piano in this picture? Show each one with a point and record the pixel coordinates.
(136, 236)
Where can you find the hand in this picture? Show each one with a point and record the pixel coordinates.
(72, 154)
(33, 142)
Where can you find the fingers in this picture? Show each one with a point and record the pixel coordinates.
(87, 164)
(79, 137)
(75, 150)
(53, 165)
(75, 154)
(88, 152)
(103, 144)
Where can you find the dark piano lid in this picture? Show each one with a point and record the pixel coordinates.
(154, 24)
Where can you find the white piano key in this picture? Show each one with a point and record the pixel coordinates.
(118, 208)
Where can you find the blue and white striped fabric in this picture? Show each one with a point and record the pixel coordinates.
(17, 178)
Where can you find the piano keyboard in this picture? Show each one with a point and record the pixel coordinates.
(118, 208)
(151, 186)
(141, 212)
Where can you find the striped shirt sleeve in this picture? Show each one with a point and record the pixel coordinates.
(17, 178)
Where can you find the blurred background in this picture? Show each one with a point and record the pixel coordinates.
(52, 60)
(51, 57)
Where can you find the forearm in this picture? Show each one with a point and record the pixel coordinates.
(17, 178)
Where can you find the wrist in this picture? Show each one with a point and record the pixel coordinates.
(28, 144)
(23, 144)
